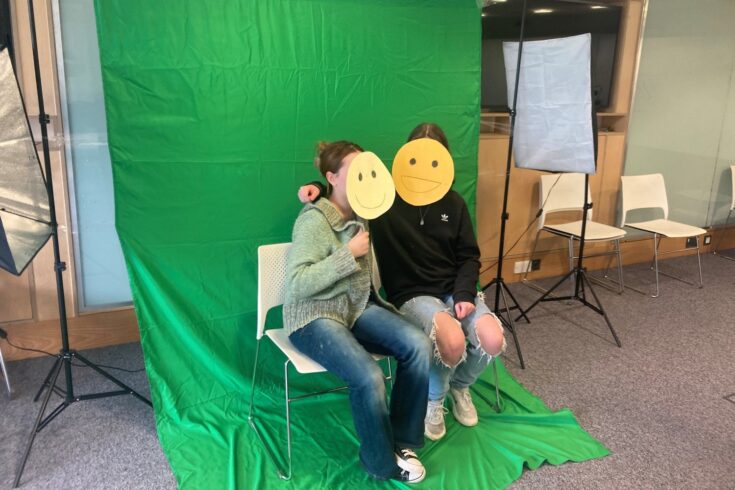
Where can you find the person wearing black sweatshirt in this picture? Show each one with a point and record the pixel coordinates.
(429, 265)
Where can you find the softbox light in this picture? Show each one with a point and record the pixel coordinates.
(553, 124)
(24, 205)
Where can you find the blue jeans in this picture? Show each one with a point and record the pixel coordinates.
(346, 353)
(420, 311)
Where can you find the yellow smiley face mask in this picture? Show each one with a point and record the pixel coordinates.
(370, 189)
(423, 171)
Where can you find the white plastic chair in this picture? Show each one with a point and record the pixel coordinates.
(727, 220)
(649, 191)
(565, 192)
(271, 290)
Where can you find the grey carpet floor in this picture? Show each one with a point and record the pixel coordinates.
(659, 403)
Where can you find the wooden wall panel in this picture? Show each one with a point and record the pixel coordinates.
(15, 297)
(612, 154)
(626, 63)
(41, 283)
(46, 54)
(85, 332)
(522, 198)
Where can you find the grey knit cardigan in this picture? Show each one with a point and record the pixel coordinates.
(323, 279)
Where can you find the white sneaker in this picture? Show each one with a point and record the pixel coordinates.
(434, 427)
(412, 471)
(462, 407)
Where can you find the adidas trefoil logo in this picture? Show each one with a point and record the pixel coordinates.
(445, 218)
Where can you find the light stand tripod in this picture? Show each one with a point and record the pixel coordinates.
(65, 356)
(580, 276)
(501, 289)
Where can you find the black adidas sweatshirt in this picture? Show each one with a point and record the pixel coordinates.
(438, 258)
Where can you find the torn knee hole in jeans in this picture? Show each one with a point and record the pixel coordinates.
(437, 352)
(481, 348)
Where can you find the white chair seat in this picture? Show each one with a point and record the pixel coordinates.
(593, 231)
(303, 363)
(668, 228)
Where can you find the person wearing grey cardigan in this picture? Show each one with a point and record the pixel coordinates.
(334, 316)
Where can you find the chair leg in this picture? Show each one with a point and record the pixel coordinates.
(251, 412)
(288, 420)
(621, 284)
(656, 242)
(719, 242)
(5, 374)
(498, 401)
(390, 372)
(530, 257)
(573, 277)
(252, 418)
(699, 261)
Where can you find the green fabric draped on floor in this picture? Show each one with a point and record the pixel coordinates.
(213, 111)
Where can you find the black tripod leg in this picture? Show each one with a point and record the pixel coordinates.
(114, 379)
(54, 375)
(599, 305)
(523, 313)
(548, 292)
(511, 325)
(45, 381)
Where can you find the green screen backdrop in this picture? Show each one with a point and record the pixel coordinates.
(214, 109)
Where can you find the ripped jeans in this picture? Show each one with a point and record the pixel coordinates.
(420, 311)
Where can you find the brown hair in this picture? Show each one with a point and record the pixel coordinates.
(429, 130)
(329, 157)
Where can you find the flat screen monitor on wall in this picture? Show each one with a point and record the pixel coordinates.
(547, 19)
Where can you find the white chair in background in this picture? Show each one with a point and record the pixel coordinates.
(649, 191)
(565, 192)
(271, 290)
(732, 208)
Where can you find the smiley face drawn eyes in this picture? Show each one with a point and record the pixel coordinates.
(372, 172)
(434, 163)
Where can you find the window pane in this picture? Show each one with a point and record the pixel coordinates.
(102, 275)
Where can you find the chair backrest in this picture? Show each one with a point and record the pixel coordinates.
(643, 191)
(377, 283)
(732, 174)
(271, 280)
(562, 192)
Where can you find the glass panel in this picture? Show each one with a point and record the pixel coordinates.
(683, 119)
(101, 268)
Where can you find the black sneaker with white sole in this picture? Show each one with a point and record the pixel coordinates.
(409, 477)
(412, 471)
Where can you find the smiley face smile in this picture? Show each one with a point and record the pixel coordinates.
(419, 185)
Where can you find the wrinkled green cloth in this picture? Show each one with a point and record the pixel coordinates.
(213, 112)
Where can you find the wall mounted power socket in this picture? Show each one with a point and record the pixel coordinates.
(520, 267)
